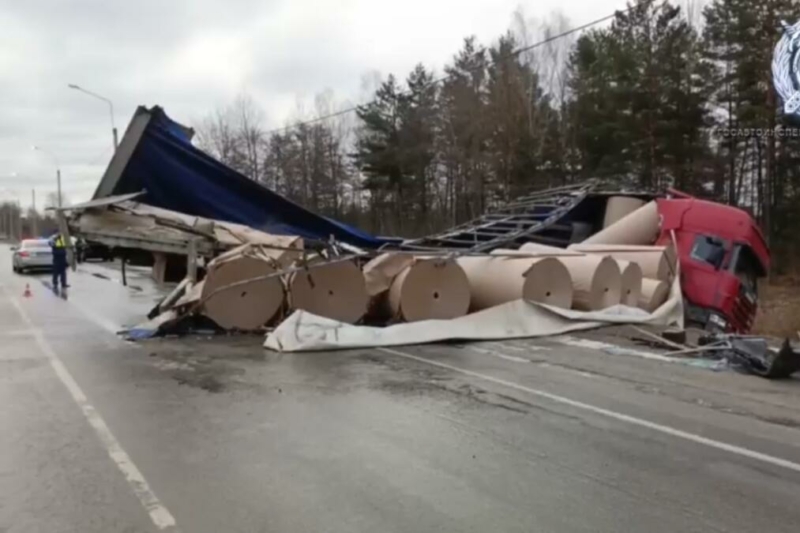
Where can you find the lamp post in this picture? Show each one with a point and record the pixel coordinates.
(58, 169)
(110, 108)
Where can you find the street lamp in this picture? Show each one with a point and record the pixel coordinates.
(58, 169)
(106, 100)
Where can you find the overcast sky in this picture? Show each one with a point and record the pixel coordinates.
(190, 56)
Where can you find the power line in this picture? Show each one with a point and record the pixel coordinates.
(515, 53)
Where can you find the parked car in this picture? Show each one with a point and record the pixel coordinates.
(32, 254)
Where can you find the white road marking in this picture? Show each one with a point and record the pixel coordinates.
(667, 430)
(522, 349)
(612, 348)
(159, 514)
(497, 354)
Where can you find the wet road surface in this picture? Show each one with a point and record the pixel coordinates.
(216, 434)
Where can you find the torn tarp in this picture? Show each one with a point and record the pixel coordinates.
(156, 155)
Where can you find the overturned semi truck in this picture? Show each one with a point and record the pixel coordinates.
(721, 251)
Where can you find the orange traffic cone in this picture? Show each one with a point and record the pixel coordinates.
(27, 293)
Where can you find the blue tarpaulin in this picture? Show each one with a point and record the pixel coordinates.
(157, 156)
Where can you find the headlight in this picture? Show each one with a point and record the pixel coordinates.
(718, 320)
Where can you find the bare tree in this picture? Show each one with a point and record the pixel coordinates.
(51, 200)
(216, 134)
(249, 132)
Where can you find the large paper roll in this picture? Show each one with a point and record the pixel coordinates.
(640, 227)
(245, 307)
(498, 280)
(658, 262)
(654, 293)
(333, 290)
(618, 207)
(379, 273)
(429, 289)
(631, 283)
(596, 280)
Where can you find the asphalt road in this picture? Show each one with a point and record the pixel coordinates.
(217, 435)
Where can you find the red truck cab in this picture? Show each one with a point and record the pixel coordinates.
(722, 255)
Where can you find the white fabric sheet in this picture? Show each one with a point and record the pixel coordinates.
(520, 319)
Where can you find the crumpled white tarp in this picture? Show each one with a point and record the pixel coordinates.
(303, 331)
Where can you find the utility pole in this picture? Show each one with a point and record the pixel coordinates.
(110, 109)
(34, 215)
(58, 179)
(58, 169)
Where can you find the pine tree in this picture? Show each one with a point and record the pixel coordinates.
(417, 138)
(378, 154)
(464, 137)
(740, 36)
(639, 107)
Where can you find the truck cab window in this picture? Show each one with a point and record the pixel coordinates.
(709, 250)
(746, 267)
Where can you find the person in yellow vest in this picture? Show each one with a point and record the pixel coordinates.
(59, 248)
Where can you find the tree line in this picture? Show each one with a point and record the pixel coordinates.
(17, 224)
(664, 95)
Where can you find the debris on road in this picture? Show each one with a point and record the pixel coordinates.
(755, 355)
(429, 289)
(564, 259)
(656, 262)
(653, 294)
(596, 279)
(639, 227)
(332, 289)
(245, 308)
(495, 280)
(662, 339)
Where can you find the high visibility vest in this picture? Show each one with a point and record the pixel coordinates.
(59, 242)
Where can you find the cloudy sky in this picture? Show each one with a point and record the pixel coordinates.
(191, 56)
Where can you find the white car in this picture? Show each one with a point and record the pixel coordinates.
(32, 254)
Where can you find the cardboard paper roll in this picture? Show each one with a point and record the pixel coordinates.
(631, 283)
(498, 280)
(541, 251)
(640, 227)
(618, 207)
(429, 289)
(245, 307)
(381, 271)
(334, 290)
(596, 280)
(658, 262)
(654, 293)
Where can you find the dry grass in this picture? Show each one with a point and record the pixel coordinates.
(779, 308)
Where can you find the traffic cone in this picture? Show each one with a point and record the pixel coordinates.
(27, 293)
